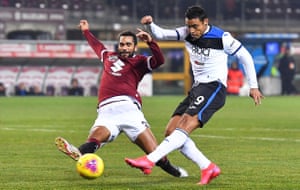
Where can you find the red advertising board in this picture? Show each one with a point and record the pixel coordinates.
(48, 50)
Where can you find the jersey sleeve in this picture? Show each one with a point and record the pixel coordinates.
(95, 44)
(231, 45)
(246, 59)
(157, 57)
(234, 47)
(167, 34)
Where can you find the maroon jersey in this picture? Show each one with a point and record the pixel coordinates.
(121, 76)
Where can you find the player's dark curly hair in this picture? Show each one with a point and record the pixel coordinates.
(129, 33)
(196, 12)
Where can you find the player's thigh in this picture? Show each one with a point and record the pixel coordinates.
(100, 132)
(133, 122)
(106, 122)
(146, 141)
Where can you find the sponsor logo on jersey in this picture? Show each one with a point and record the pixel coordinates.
(200, 51)
(116, 67)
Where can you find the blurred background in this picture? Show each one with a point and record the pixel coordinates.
(41, 47)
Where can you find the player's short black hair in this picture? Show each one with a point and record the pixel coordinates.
(196, 12)
(129, 33)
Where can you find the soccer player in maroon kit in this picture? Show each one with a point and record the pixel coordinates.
(119, 103)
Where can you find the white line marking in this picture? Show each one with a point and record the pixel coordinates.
(258, 129)
(203, 136)
(38, 130)
(249, 138)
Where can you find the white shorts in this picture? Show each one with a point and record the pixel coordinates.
(121, 114)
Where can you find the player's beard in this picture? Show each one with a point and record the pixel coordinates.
(126, 54)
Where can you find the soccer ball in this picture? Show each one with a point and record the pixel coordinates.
(90, 166)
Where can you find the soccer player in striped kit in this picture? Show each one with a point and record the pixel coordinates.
(208, 47)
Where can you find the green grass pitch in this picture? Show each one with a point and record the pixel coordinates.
(256, 147)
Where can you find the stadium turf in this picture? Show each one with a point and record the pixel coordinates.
(256, 147)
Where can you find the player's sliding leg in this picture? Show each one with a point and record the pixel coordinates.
(67, 148)
(92, 146)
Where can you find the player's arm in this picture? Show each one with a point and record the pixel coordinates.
(95, 44)
(158, 32)
(157, 57)
(246, 59)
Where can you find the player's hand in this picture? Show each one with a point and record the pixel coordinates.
(83, 25)
(147, 19)
(256, 95)
(144, 36)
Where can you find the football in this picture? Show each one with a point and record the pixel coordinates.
(90, 166)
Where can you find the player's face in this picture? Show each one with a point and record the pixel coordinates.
(126, 47)
(196, 27)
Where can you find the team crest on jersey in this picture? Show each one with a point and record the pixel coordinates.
(113, 58)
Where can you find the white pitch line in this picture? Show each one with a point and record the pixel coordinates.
(258, 129)
(249, 138)
(38, 130)
(203, 136)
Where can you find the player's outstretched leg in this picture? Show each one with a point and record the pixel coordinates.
(175, 171)
(67, 148)
(211, 172)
